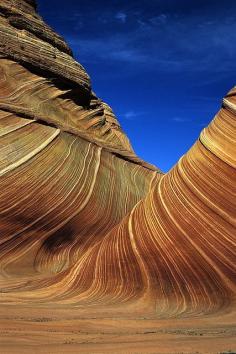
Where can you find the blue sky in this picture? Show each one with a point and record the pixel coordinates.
(162, 65)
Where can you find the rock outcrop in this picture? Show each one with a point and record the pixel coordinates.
(83, 219)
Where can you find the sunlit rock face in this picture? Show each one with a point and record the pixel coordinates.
(83, 219)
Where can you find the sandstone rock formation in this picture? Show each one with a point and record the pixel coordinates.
(84, 221)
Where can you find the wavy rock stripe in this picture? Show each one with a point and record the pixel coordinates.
(83, 220)
(90, 119)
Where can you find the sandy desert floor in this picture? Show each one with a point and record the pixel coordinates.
(65, 330)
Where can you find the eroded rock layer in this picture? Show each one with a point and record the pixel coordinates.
(83, 219)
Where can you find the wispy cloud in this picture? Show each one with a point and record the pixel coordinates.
(121, 16)
(115, 48)
(180, 120)
(190, 50)
(188, 121)
(131, 115)
(168, 42)
(158, 20)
